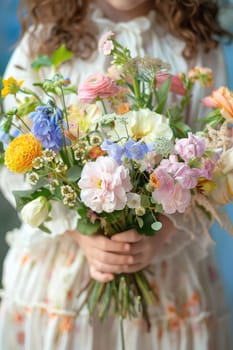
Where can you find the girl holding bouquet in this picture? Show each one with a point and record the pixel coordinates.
(43, 274)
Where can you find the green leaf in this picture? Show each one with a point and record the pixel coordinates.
(41, 61)
(45, 229)
(146, 229)
(23, 197)
(74, 173)
(162, 94)
(180, 129)
(70, 90)
(145, 201)
(61, 55)
(86, 228)
(156, 226)
(140, 221)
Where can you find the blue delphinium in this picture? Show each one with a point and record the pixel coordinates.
(47, 126)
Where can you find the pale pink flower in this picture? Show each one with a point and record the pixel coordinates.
(105, 44)
(97, 85)
(176, 83)
(191, 147)
(181, 172)
(104, 185)
(221, 98)
(172, 198)
(208, 168)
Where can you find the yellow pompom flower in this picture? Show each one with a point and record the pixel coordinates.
(11, 86)
(21, 152)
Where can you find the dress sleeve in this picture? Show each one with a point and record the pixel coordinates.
(63, 218)
(191, 234)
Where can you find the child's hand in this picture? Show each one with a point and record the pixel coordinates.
(105, 257)
(143, 248)
(126, 252)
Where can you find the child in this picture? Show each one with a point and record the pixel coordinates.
(44, 273)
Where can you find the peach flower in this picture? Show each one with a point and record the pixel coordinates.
(221, 98)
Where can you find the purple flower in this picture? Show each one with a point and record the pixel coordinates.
(191, 147)
(135, 150)
(114, 150)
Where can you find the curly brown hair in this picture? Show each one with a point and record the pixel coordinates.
(65, 21)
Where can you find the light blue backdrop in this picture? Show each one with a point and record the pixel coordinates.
(9, 29)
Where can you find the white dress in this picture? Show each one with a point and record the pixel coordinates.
(43, 273)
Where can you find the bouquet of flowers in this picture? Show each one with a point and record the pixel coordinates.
(120, 157)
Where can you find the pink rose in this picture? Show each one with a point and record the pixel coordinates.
(191, 147)
(104, 185)
(176, 83)
(97, 85)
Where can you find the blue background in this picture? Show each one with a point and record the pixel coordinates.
(9, 29)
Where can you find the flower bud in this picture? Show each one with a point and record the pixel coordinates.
(35, 212)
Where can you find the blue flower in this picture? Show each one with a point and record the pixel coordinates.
(114, 150)
(47, 126)
(135, 150)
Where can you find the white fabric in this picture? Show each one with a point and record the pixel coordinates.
(43, 273)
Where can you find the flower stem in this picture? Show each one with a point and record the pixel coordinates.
(122, 333)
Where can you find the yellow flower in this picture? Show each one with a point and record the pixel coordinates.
(81, 117)
(21, 152)
(11, 86)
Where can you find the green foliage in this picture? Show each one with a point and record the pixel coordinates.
(74, 173)
(26, 196)
(61, 55)
(162, 95)
(41, 61)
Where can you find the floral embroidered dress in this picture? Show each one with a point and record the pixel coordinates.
(44, 273)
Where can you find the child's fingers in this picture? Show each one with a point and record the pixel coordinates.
(130, 236)
(110, 258)
(100, 276)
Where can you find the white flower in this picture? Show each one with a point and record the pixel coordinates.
(223, 193)
(226, 161)
(133, 200)
(147, 125)
(35, 212)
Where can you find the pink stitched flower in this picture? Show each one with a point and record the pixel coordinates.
(191, 147)
(97, 85)
(176, 83)
(105, 45)
(104, 185)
